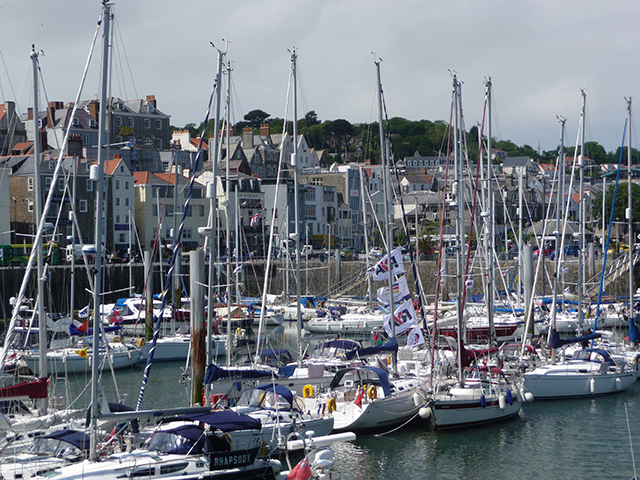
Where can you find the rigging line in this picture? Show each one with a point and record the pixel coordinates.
(273, 219)
(176, 243)
(244, 235)
(606, 249)
(47, 206)
(420, 291)
(473, 209)
(126, 57)
(440, 255)
(49, 115)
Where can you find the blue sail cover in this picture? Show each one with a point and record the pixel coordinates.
(225, 420)
(390, 346)
(215, 372)
(281, 390)
(383, 377)
(74, 437)
(557, 342)
(73, 330)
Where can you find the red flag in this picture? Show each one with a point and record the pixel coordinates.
(358, 400)
(302, 471)
(83, 327)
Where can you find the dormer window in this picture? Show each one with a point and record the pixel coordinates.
(76, 122)
(93, 123)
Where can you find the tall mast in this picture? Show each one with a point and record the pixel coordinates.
(491, 233)
(213, 211)
(42, 321)
(629, 212)
(388, 221)
(460, 228)
(296, 203)
(581, 211)
(559, 242)
(228, 208)
(99, 229)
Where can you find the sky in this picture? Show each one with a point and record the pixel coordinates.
(539, 55)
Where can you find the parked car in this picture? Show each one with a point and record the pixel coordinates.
(569, 250)
(546, 251)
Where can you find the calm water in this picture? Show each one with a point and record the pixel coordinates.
(569, 439)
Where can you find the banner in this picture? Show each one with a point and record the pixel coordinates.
(381, 270)
(404, 318)
(84, 313)
(400, 292)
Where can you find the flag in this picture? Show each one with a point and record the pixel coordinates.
(400, 292)
(82, 352)
(358, 400)
(415, 337)
(469, 283)
(237, 270)
(566, 290)
(302, 471)
(254, 219)
(83, 327)
(115, 317)
(404, 318)
(244, 204)
(84, 313)
(381, 269)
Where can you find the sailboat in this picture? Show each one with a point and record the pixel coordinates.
(481, 394)
(590, 371)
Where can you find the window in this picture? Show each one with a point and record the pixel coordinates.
(52, 165)
(30, 184)
(47, 183)
(118, 121)
(126, 201)
(186, 233)
(117, 219)
(117, 184)
(61, 184)
(130, 121)
(93, 123)
(121, 168)
(117, 202)
(83, 206)
(159, 143)
(154, 210)
(86, 139)
(310, 211)
(89, 185)
(30, 205)
(201, 210)
(165, 166)
(158, 124)
(122, 238)
(126, 184)
(189, 211)
(118, 138)
(147, 123)
(126, 219)
(76, 122)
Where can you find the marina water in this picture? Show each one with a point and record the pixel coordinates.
(568, 439)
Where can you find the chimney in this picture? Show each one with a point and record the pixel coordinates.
(10, 110)
(151, 99)
(247, 137)
(29, 113)
(265, 130)
(94, 109)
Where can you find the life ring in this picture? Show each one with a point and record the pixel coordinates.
(331, 405)
(372, 392)
(307, 391)
(282, 311)
(116, 340)
(140, 342)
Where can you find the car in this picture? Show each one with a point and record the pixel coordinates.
(375, 252)
(545, 251)
(569, 250)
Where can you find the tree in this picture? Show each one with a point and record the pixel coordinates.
(255, 118)
(620, 206)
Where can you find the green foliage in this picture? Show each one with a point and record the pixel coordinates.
(620, 204)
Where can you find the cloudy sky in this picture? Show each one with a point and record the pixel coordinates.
(539, 54)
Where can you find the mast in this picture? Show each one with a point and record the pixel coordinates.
(99, 228)
(42, 321)
(228, 207)
(460, 229)
(491, 232)
(386, 183)
(213, 212)
(629, 212)
(559, 242)
(520, 241)
(581, 213)
(296, 203)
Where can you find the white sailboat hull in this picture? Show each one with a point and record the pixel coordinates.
(454, 411)
(67, 360)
